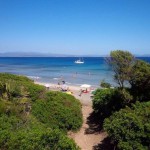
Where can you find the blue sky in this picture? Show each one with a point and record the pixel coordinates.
(75, 26)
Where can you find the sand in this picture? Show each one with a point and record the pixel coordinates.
(90, 136)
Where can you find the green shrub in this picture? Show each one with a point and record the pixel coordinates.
(130, 127)
(13, 86)
(3, 107)
(101, 100)
(105, 84)
(41, 140)
(59, 110)
(7, 76)
(107, 101)
(35, 91)
(140, 81)
(16, 134)
(20, 129)
(7, 125)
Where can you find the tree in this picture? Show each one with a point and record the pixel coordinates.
(130, 127)
(108, 101)
(121, 63)
(140, 81)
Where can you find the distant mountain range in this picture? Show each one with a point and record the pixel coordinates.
(34, 54)
(144, 55)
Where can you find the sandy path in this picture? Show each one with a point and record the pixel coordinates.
(90, 136)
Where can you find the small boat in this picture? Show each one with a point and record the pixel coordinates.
(79, 61)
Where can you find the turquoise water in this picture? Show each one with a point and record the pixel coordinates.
(52, 69)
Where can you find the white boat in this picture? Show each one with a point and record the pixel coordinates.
(79, 61)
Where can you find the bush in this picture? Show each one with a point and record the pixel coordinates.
(41, 140)
(105, 84)
(7, 125)
(59, 110)
(140, 81)
(101, 101)
(16, 134)
(13, 86)
(52, 111)
(130, 127)
(35, 91)
(107, 101)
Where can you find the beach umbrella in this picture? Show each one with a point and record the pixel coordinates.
(47, 85)
(85, 86)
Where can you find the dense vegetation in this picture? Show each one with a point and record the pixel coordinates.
(104, 84)
(126, 108)
(107, 101)
(121, 63)
(130, 127)
(32, 118)
(58, 111)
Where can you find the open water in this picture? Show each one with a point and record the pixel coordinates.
(54, 69)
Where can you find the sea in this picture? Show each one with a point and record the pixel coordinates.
(55, 69)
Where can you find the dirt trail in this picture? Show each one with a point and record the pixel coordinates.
(90, 136)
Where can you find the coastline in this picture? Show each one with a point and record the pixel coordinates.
(85, 98)
(57, 87)
(54, 69)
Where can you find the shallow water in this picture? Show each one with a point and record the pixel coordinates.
(53, 69)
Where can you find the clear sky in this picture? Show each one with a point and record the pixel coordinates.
(75, 26)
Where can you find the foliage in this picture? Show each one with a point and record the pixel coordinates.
(102, 100)
(40, 140)
(15, 134)
(107, 101)
(6, 76)
(15, 87)
(21, 127)
(131, 71)
(130, 127)
(105, 84)
(35, 91)
(121, 63)
(140, 81)
(59, 110)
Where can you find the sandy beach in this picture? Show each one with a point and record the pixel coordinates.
(87, 138)
(85, 98)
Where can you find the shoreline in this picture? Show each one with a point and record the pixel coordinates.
(58, 87)
(84, 98)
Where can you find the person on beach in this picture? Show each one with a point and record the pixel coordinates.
(58, 85)
(81, 91)
(63, 82)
